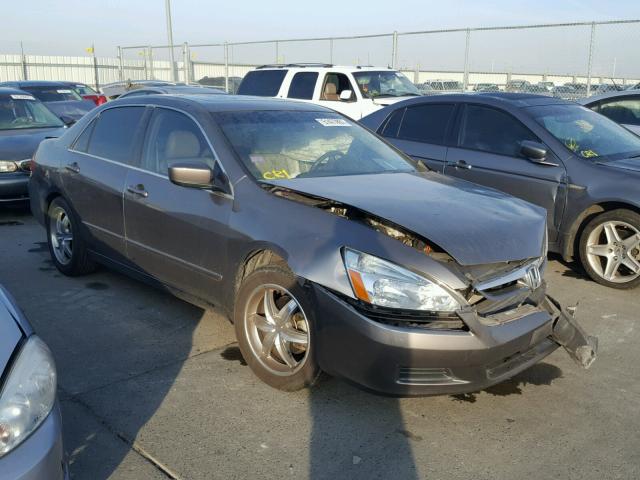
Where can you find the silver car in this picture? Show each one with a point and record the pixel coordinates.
(30, 425)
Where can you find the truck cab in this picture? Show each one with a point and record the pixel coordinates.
(354, 91)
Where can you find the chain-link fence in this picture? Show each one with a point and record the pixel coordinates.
(568, 60)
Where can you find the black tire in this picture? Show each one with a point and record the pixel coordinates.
(275, 274)
(629, 217)
(79, 262)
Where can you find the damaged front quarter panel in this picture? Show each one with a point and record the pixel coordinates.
(568, 333)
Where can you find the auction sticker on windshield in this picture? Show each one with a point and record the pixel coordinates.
(63, 91)
(22, 97)
(333, 122)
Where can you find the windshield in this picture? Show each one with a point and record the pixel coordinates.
(24, 111)
(292, 144)
(585, 132)
(84, 90)
(384, 84)
(53, 94)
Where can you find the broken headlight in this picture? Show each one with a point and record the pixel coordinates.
(385, 284)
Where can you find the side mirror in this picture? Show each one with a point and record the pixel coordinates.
(345, 95)
(67, 120)
(198, 175)
(536, 153)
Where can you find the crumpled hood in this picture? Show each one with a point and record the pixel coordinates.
(474, 224)
(391, 100)
(22, 144)
(631, 164)
(71, 108)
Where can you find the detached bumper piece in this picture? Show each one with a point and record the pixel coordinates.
(568, 333)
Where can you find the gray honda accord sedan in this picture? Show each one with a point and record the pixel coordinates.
(329, 249)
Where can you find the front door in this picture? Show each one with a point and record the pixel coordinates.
(333, 85)
(488, 153)
(176, 234)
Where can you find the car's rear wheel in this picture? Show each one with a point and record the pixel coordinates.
(66, 245)
(610, 249)
(274, 328)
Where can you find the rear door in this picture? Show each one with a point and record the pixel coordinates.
(421, 132)
(488, 153)
(176, 234)
(95, 171)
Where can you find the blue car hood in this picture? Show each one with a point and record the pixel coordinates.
(22, 144)
(474, 224)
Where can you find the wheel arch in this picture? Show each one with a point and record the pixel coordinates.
(570, 247)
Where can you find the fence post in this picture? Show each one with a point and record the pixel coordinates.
(226, 67)
(150, 54)
(277, 52)
(185, 63)
(592, 40)
(394, 51)
(331, 50)
(23, 62)
(96, 77)
(465, 77)
(120, 65)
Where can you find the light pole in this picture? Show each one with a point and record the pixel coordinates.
(167, 6)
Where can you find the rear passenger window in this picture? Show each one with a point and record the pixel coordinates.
(426, 123)
(625, 111)
(114, 134)
(390, 129)
(174, 138)
(491, 130)
(82, 142)
(302, 85)
(263, 83)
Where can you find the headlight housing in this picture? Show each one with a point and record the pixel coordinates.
(385, 284)
(8, 167)
(28, 395)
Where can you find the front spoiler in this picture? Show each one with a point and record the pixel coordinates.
(568, 333)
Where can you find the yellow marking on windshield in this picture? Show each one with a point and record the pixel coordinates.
(276, 174)
(588, 154)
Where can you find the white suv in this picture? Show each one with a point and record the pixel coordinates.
(353, 91)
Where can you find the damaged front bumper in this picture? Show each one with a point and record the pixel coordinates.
(400, 360)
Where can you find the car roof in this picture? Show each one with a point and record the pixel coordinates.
(39, 83)
(12, 91)
(222, 103)
(324, 67)
(517, 100)
(606, 96)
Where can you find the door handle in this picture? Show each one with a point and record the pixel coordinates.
(462, 164)
(138, 190)
(73, 167)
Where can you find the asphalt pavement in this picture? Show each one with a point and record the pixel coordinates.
(154, 388)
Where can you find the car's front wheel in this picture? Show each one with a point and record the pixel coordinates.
(610, 249)
(273, 326)
(66, 245)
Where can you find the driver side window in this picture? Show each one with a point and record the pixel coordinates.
(174, 138)
(491, 130)
(334, 85)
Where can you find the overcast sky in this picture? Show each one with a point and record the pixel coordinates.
(68, 27)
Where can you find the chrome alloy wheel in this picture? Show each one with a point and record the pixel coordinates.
(613, 251)
(61, 235)
(277, 330)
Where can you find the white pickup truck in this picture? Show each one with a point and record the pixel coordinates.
(353, 91)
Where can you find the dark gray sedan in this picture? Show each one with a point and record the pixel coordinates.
(329, 250)
(24, 123)
(581, 167)
(30, 426)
